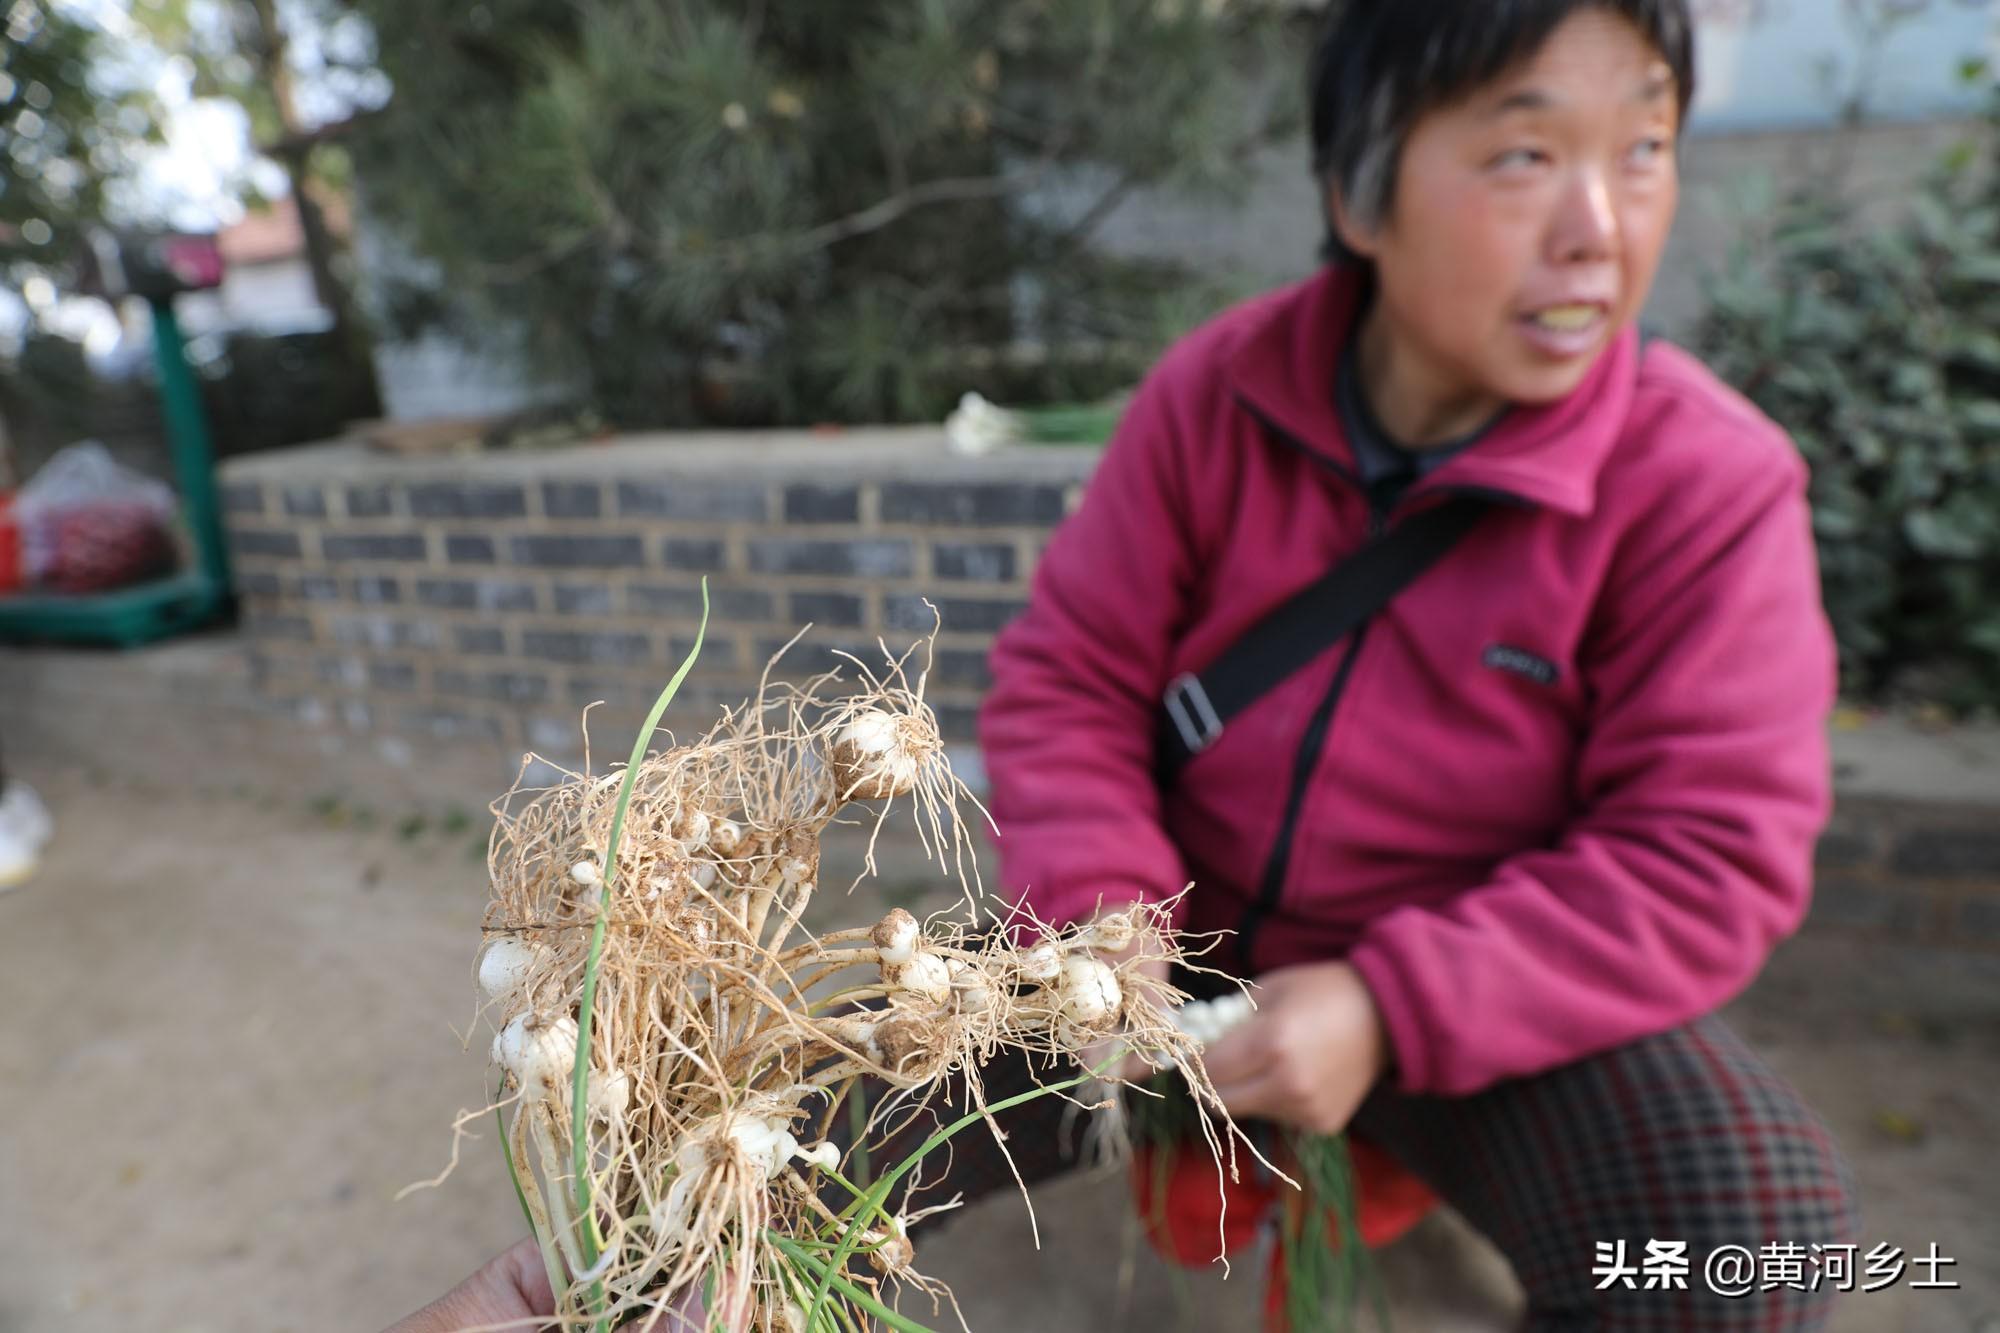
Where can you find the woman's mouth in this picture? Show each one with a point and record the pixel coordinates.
(1566, 331)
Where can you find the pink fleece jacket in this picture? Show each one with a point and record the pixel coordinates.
(1569, 793)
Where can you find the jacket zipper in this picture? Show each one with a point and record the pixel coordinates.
(1271, 886)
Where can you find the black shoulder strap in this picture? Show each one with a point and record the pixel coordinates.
(1196, 707)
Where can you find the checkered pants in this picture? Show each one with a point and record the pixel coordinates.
(1686, 1136)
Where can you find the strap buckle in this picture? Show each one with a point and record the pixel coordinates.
(1194, 717)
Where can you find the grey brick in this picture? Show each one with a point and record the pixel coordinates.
(318, 588)
(294, 629)
(714, 501)
(1978, 921)
(467, 499)
(1842, 900)
(572, 499)
(349, 671)
(984, 503)
(828, 608)
(822, 504)
(477, 594)
(355, 714)
(584, 599)
(957, 722)
(1844, 848)
(482, 640)
(303, 500)
(961, 666)
(565, 551)
(377, 590)
(715, 653)
(371, 501)
(701, 554)
(732, 605)
(386, 675)
(265, 542)
(812, 655)
(450, 724)
(259, 583)
(378, 631)
(986, 562)
(551, 735)
(515, 687)
(463, 549)
(960, 614)
(617, 691)
(1949, 853)
(339, 546)
(242, 497)
(865, 558)
(619, 646)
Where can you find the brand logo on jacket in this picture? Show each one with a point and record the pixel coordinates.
(1520, 662)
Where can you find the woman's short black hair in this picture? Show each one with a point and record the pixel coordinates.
(1380, 64)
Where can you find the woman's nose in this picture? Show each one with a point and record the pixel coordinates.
(1585, 225)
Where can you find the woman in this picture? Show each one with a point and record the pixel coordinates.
(1495, 857)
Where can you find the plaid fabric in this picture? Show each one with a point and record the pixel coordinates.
(1686, 1136)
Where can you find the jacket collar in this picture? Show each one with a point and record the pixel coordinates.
(1549, 454)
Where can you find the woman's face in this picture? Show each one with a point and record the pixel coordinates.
(1528, 219)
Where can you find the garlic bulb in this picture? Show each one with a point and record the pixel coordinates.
(923, 975)
(539, 1053)
(608, 1095)
(895, 938)
(1089, 991)
(1111, 932)
(725, 836)
(826, 1156)
(970, 986)
(1042, 963)
(870, 760)
(1210, 1020)
(505, 966)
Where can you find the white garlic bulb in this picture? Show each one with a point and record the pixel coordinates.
(894, 938)
(923, 975)
(870, 760)
(539, 1053)
(1089, 993)
(505, 966)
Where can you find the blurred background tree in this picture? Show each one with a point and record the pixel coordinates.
(850, 210)
(1878, 349)
(71, 121)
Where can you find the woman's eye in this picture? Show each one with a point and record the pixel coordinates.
(1649, 150)
(1514, 159)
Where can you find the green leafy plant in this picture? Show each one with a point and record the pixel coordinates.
(1879, 351)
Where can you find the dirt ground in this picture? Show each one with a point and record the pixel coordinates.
(234, 1001)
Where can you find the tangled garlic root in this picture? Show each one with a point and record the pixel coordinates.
(724, 1037)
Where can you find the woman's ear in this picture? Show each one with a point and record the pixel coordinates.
(1359, 240)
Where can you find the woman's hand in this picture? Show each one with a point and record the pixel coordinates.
(513, 1286)
(1309, 1055)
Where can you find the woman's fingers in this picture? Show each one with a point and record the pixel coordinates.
(1235, 1058)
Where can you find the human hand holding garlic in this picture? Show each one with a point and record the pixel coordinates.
(1309, 1054)
(512, 1286)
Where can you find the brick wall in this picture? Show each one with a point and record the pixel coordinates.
(492, 597)
(1919, 869)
